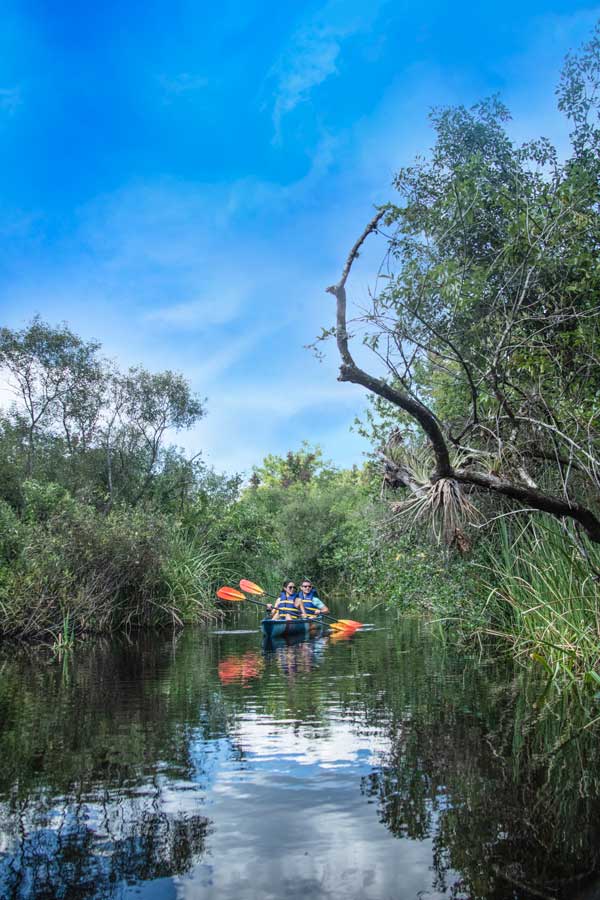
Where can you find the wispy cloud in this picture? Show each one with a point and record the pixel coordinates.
(181, 84)
(313, 60)
(244, 424)
(217, 307)
(312, 53)
(10, 99)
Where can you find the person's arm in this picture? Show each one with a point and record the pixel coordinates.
(300, 605)
(275, 609)
(320, 605)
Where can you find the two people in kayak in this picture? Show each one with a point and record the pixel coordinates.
(293, 604)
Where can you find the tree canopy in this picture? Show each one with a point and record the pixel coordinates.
(483, 322)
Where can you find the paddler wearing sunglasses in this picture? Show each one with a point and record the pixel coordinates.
(313, 605)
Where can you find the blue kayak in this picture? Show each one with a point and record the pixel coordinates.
(306, 628)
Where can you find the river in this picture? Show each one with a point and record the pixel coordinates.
(204, 765)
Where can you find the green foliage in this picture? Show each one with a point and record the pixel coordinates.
(301, 519)
(10, 533)
(102, 525)
(189, 574)
(44, 501)
(297, 467)
(79, 422)
(486, 311)
(407, 573)
(132, 567)
(544, 598)
(335, 529)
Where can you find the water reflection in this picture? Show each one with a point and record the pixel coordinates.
(295, 654)
(90, 849)
(240, 667)
(389, 765)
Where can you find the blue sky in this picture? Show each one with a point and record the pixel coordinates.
(182, 180)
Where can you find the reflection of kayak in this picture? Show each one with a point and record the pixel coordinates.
(272, 644)
(300, 628)
(294, 654)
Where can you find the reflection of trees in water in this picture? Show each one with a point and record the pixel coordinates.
(82, 794)
(119, 709)
(88, 849)
(506, 809)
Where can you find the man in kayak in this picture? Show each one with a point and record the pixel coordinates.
(289, 605)
(308, 596)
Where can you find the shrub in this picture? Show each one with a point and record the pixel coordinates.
(128, 568)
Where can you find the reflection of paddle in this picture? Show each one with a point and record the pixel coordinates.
(232, 594)
(240, 668)
(250, 588)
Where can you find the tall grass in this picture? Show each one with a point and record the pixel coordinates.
(545, 598)
(191, 574)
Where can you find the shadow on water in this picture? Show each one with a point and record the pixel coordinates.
(386, 765)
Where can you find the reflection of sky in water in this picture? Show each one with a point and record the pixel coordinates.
(290, 821)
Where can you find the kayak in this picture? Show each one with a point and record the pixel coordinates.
(302, 628)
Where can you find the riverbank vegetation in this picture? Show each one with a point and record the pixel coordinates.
(103, 524)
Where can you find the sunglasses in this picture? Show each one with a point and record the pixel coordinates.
(290, 587)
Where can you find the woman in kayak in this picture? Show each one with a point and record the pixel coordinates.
(288, 606)
(308, 597)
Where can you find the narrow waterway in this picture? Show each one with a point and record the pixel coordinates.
(390, 765)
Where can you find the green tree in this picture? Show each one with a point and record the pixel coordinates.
(485, 314)
(153, 404)
(296, 467)
(57, 381)
(77, 420)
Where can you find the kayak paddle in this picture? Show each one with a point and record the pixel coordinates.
(252, 588)
(229, 593)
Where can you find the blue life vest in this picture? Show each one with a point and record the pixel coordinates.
(309, 606)
(286, 605)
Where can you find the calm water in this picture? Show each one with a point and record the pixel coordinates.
(201, 766)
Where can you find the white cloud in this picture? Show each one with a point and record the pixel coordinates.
(313, 60)
(249, 418)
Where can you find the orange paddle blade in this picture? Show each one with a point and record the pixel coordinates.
(228, 593)
(344, 635)
(350, 623)
(250, 587)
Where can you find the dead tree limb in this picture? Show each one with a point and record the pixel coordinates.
(349, 371)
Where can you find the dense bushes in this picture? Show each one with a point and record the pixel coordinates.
(63, 559)
(103, 525)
